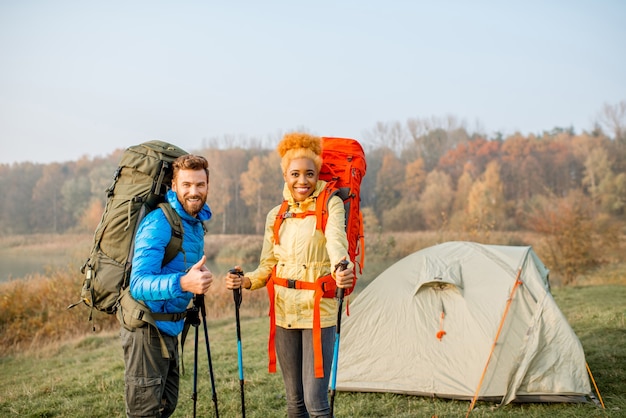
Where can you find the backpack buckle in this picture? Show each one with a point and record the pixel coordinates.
(291, 284)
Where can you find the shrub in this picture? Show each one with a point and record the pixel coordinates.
(567, 230)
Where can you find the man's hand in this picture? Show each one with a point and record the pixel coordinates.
(198, 279)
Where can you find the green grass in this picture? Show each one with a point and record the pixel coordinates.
(53, 366)
(84, 377)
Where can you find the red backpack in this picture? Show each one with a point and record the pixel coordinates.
(343, 168)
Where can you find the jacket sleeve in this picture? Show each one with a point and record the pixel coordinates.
(148, 281)
(336, 239)
(258, 278)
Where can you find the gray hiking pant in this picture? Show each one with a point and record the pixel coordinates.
(151, 381)
(307, 396)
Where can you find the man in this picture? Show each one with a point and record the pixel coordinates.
(151, 379)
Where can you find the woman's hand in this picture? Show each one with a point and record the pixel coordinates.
(344, 278)
(235, 281)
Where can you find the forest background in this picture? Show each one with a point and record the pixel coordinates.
(567, 188)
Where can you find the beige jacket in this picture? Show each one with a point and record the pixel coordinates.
(304, 253)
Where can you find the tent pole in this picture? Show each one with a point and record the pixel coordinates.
(594, 385)
(493, 347)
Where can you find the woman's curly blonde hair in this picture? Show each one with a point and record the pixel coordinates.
(300, 145)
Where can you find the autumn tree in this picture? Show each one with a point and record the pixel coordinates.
(371, 225)
(460, 198)
(225, 168)
(567, 229)
(389, 182)
(436, 199)
(613, 119)
(76, 196)
(561, 166)
(612, 192)
(17, 209)
(597, 170)
(390, 135)
(432, 138)
(261, 187)
(478, 152)
(486, 207)
(414, 179)
(431, 147)
(405, 216)
(47, 194)
(374, 158)
(521, 170)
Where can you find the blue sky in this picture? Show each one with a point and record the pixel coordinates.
(83, 78)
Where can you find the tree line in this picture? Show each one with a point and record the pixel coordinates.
(421, 175)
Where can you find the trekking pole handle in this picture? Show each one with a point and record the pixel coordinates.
(340, 266)
(237, 292)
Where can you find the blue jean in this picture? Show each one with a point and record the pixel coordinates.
(307, 396)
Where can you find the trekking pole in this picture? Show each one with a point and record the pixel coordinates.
(199, 300)
(237, 299)
(342, 265)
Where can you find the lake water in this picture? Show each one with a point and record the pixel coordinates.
(24, 255)
(18, 266)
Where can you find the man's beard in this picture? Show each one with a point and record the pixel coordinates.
(193, 208)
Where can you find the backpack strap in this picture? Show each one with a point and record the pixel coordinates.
(320, 212)
(135, 314)
(279, 220)
(283, 213)
(324, 287)
(175, 245)
(194, 315)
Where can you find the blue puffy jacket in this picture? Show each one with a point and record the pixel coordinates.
(159, 287)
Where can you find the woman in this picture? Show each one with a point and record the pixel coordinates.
(293, 265)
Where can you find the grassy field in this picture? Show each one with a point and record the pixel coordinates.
(84, 377)
(53, 365)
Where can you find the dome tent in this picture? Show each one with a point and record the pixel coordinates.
(462, 320)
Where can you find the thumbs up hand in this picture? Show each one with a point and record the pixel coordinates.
(200, 264)
(198, 279)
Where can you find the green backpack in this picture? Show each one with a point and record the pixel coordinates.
(139, 185)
